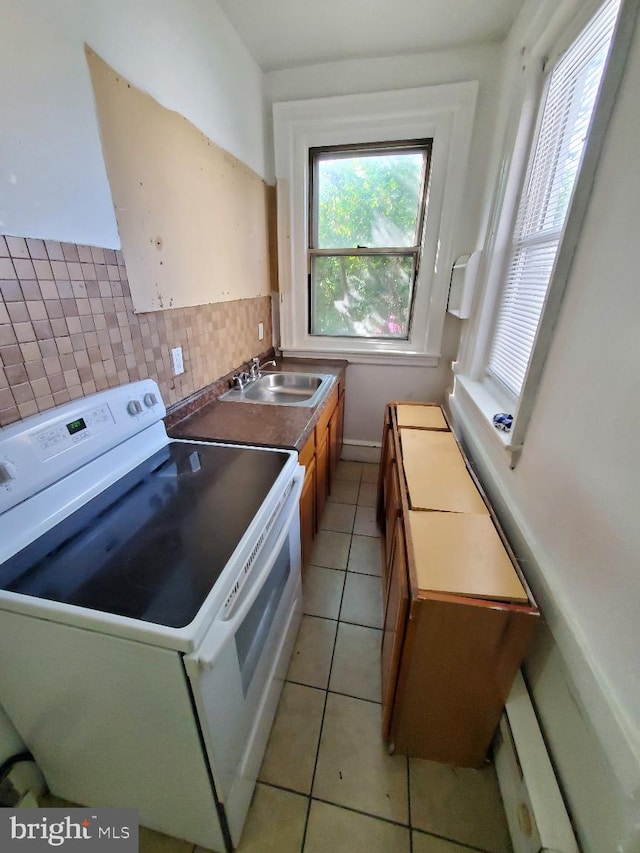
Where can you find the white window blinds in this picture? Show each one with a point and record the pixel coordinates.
(551, 174)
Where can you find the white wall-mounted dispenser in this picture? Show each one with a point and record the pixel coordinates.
(463, 281)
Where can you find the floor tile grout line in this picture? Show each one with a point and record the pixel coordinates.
(463, 844)
(327, 691)
(397, 823)
(345, 571)
(335, 692)
(324, 711)
(351, 696)
(284, 788)
(409, 826)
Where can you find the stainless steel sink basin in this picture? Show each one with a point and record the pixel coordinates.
(282, 389)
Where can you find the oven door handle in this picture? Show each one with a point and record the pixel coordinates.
(206, 655)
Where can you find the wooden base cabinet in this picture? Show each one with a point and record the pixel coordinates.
(320, 456)
(322, 475)
(336, 430)
(308, 511)
(450, 652)
(395, 623)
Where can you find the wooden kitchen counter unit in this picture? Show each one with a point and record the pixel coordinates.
(436, 475)
(459, 617)
(423, 417)
(462, 554)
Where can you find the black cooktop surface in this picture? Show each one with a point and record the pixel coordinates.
(153, 544)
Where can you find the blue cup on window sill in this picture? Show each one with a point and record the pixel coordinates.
(503, 421)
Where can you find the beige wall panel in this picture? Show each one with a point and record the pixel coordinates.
(193, 220)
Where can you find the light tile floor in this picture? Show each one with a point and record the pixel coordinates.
(326, 749)
(327, 783)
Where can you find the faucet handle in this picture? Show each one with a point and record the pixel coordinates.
(241, 379)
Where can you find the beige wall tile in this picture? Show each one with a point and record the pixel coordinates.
(68, 299)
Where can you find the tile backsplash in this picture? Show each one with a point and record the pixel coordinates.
(67, 328)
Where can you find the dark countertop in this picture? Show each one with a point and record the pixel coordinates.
(252, 423)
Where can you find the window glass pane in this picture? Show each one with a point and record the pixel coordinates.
(548, 188)
(369, 200)
(362, 296)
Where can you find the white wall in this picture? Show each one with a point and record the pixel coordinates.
(184, 53)
(571, 506)
(10, 741)
(53, 182)
(370, 387)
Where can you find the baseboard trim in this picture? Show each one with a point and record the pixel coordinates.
(361, 451)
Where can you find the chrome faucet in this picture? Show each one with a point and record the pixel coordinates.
(256, 367)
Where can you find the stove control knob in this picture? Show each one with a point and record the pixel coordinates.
(7, 473)
(150, 400)
(134, 407)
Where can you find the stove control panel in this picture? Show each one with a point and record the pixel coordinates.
(43, 448)
(52, 441)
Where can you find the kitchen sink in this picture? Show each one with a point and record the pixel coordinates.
(282, 389)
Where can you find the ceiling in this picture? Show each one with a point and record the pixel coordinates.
(288, 33)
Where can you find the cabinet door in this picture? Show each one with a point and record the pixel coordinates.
(308, 512)
(392, 514)
(334, 453)
(386, 457)
(394, 626)
(322, 474)
(340, 426)
(336, 429)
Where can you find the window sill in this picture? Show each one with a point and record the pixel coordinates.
(402, 359)
(476, 405)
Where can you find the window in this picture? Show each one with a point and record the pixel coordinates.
(366, 224)
(380, 284)
(563, 125)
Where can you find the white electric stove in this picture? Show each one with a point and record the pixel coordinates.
(149, 601)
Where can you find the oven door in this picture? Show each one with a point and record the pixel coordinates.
(237, 672)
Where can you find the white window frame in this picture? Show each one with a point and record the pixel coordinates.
(476, 394)
(443, 113)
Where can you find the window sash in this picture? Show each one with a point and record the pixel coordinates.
(564, 119)
(316, 155)
(314, 329)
